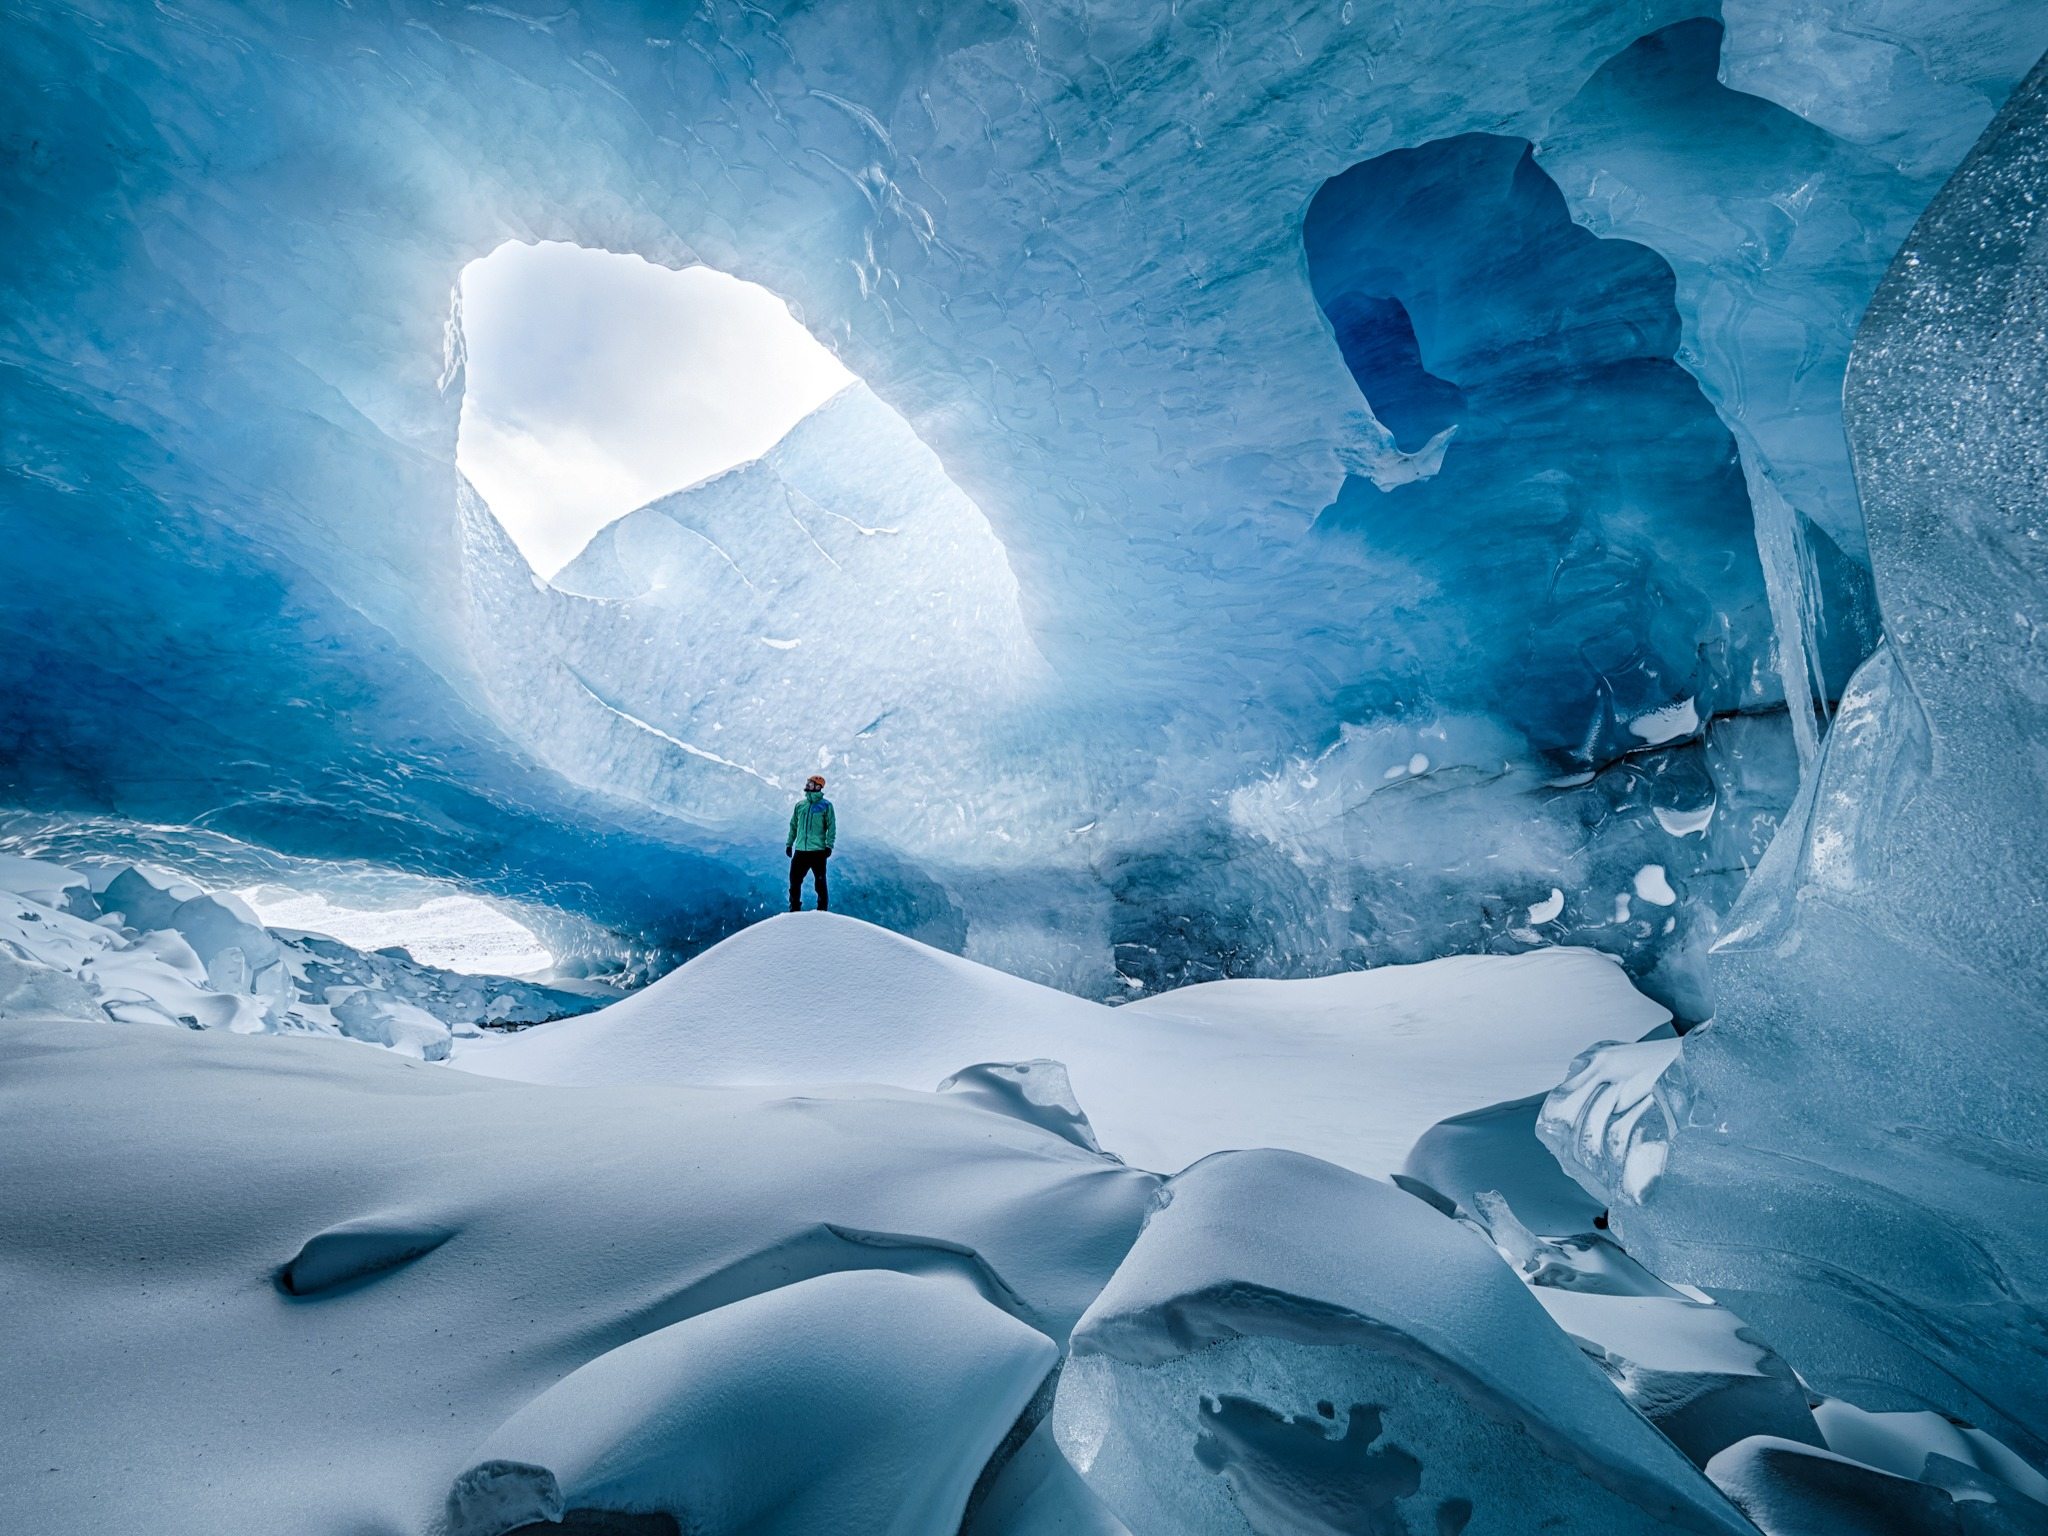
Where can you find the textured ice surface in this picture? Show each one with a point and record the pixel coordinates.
(1066, 246)
(288, 1285)
(1350, 1068)
(1789, 1489)
(1293, 1347)
(1852, 1153)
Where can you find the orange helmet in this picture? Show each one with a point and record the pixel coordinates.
(815, 781)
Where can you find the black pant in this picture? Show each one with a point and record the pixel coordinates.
(815, 864)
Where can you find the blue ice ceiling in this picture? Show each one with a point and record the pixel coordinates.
(1203, 661)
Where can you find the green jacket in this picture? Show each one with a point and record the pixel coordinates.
(812, 825)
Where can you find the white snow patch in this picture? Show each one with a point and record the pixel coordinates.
(1652, 886)
(457, 933)
(1685, 823)
(780, 645)
(1549, 909)
(1670, 723)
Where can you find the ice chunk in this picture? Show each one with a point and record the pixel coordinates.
(46, 884)
(1790, 1489)
(359, 1250)
(1293, 1347)
(1692, 1369)
(1496, 1149)
(1038, 1493)
(1901, 1443)
(1034, 1091)
(366, 1014)
(146, 896)
(799, 1410)
(1609, 1123)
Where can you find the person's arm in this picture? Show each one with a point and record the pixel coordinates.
(789, 842)
(831, 826)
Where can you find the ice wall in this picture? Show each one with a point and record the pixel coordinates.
(1852, 1152)
(1065, 246)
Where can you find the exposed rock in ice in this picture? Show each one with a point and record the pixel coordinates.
(1293, 1347)
(1352, 1068)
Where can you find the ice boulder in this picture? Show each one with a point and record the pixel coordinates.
(239, 953)
(380, 1019)
(146, 896)
(48, 885)
(861, 1402)
(1693, 1369)
(1292, 1347)
(1495, 1149)
(1797, 1490)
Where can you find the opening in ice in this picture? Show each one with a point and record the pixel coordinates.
(596, 382)
(447, 928)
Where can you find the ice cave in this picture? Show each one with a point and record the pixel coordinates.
(1420, 630)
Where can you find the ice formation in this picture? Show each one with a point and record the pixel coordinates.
(1851, 1153)
(1282, 512)
(1447, 484)
(137, 943)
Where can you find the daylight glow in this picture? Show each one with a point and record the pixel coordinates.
(457, 933)
(597, 382)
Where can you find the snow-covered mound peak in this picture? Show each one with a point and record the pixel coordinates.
(1352, 1068)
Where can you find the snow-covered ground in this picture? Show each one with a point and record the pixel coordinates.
(728, 1263)
(1351, 1068)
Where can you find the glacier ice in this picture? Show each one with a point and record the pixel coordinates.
(1068, 257)
(137, 943)
(1293, 1347)
(1851, 1152)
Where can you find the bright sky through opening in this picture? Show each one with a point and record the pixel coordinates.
(598, 382)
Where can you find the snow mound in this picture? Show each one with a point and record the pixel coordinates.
(893, 1434)
(309, 1288)
(1350, 1068)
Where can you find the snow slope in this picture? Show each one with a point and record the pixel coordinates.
(1350, 1068)
(269, 1284)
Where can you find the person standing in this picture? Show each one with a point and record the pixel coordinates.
(813, 828)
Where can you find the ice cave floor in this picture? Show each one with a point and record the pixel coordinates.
(830, 1231)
